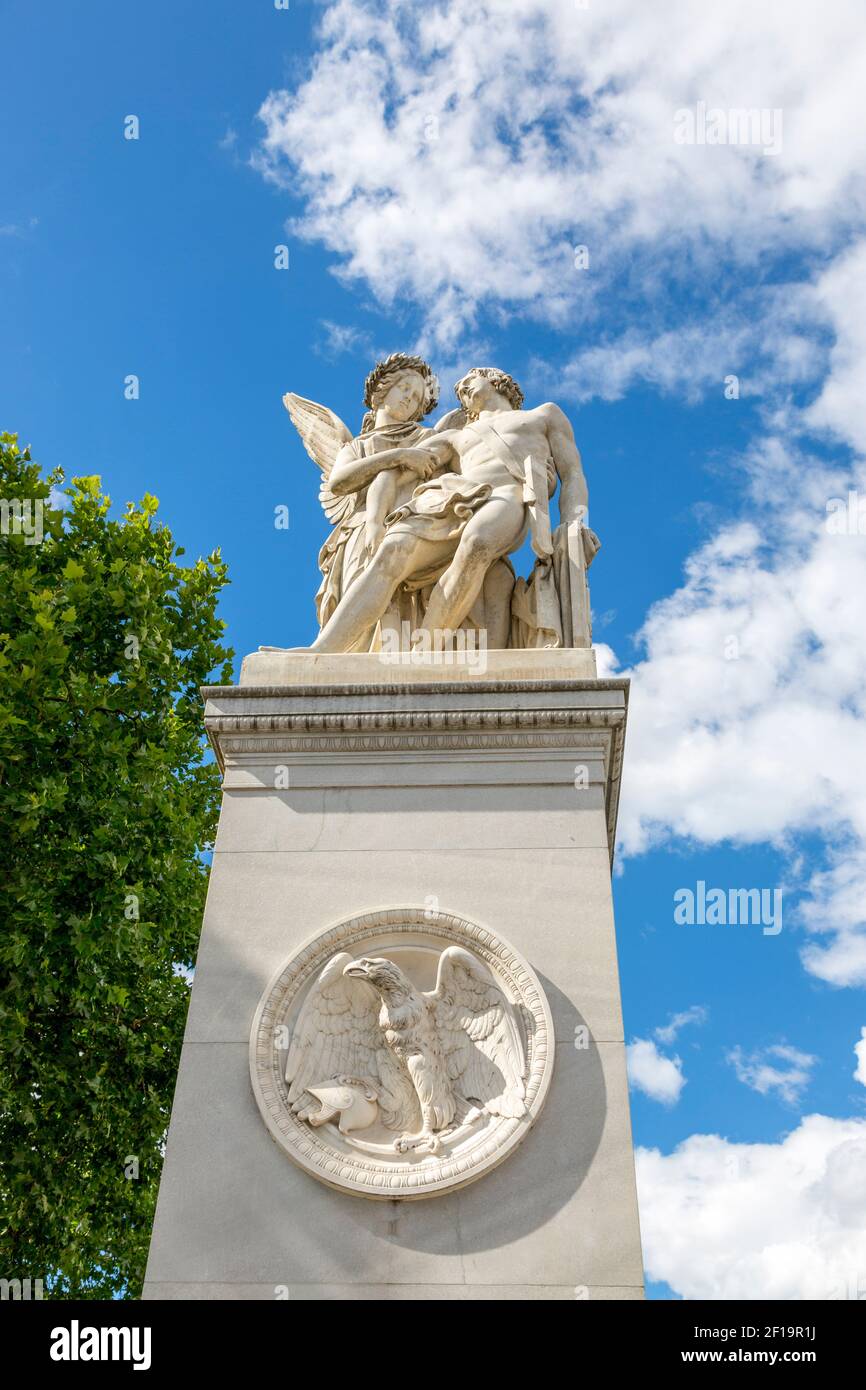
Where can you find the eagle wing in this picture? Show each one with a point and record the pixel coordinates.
(338, 1034)
(480, 1036)
(323, 435)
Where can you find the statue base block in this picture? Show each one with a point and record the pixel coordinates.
(408, 668)
(355, 790)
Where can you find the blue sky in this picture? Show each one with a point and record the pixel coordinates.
(156, 257)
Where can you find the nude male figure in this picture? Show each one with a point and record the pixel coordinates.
(456, 525)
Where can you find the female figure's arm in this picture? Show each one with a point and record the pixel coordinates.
(351, 473)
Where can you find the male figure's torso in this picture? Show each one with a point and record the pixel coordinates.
(492, 449)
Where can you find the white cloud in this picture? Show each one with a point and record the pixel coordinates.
(650, 1070)
(836, 911)
(767, 340)
(606, 662)
(860, 1054)
(839, 407)
(59, 499)
(472, 147)
(343, 338)
(696, 1014)
(747, 716)
(659, 1077)
(787, 1220)
(19, 229)
(779, 1068)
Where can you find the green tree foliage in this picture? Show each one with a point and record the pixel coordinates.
(107, 803)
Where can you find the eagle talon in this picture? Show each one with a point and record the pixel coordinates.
(424, 1140)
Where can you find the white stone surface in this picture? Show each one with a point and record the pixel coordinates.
(560, 1210)
(503, 846)
(273, 668)
(415, 818)
(383, 1293)
(256, 905)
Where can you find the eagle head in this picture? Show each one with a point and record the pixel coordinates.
(383, 975)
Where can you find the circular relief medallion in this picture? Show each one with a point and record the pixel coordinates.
(402, 1053)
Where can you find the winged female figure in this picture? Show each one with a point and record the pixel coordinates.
(398, 393)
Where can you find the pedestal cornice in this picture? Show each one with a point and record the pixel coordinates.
(571, 719)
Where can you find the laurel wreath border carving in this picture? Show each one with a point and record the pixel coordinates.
(401, 1179)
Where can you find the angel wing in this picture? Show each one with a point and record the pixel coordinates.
(323, 435)
(451, 420)
(338, 1034)
(480, 1035)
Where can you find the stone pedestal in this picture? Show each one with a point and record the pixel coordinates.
(355, 787)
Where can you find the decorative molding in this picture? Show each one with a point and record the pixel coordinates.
(477, 686)
(382, 721)
(235, 748)
(407, 723)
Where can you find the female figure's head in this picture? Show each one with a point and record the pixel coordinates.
(400, 389)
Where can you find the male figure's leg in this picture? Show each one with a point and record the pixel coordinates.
(497, 588)
(490, 533)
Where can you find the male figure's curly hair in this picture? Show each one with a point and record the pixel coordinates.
(501, 382)
(385, 373)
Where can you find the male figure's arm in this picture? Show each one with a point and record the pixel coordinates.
(574, 496)
(350, 473)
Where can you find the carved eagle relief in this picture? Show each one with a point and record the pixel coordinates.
(369, 1045)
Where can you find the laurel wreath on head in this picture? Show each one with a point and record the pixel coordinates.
(391, 367)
